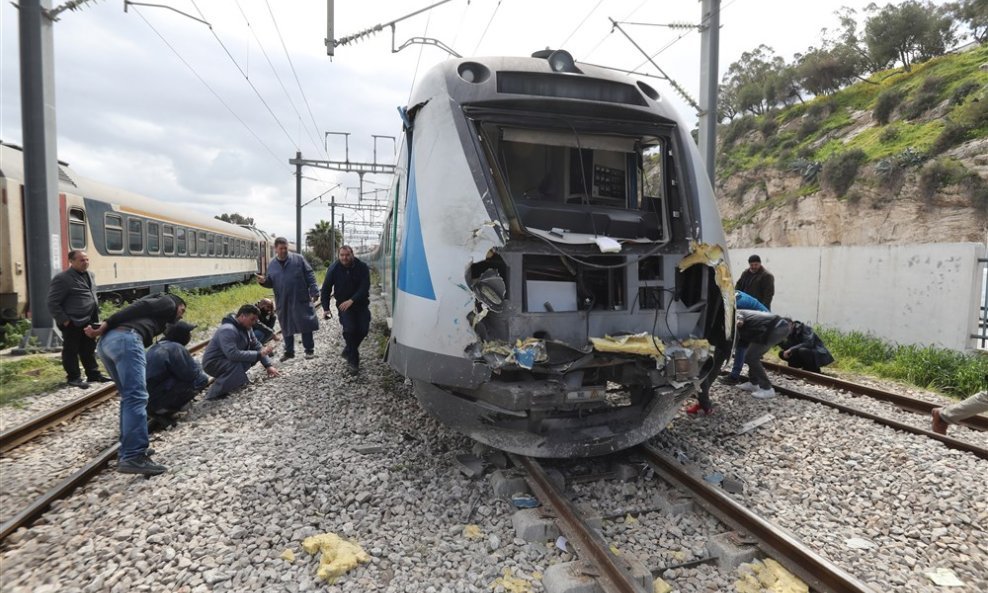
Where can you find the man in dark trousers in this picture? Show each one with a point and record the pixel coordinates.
(295, 288)
(123, 338)
(348, 279)
(803, 349)
(760, 331)
(758, 282)
(73, 305)
(173, 376)
(233, 350)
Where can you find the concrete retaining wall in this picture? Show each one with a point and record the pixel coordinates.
(908, 294)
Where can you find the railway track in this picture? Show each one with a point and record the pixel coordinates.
(19, 435)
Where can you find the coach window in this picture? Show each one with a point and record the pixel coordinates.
(154, 237)
(202, 244)
(226, 246)
(168, 239)
(212, 244)
(113, 229)
(192, 243)
(180, 241)
(77, 228)
(135, 234)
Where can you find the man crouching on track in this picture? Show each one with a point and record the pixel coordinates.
(348, 279)
(233, 350)
(123, 338)
(174, 378)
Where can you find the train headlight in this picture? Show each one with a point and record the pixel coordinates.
(489, 289)
(562, 61)
(473, 72)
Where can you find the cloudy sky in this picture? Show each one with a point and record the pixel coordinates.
(132, 110)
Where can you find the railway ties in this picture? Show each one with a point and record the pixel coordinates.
(602, 567)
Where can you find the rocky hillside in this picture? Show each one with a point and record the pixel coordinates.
(900, 158)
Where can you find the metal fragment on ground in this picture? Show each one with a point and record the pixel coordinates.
(752, 425)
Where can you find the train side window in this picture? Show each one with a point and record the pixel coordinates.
(77, 228)
(192, 243)
(202, 244)
(168, 239)
(135, 234)
(212, 244)
(154, 237)
(226, 246)
(180, 241)
(113, 230)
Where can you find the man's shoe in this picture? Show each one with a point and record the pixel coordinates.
(354, 368)
(148, 452)
(310, 354)
(78, 382)
(141, 464)
(939, 426)
(730, 380)
(286, 356)
(763, 393)
(697, 408)
(99, 379)
(748, 386)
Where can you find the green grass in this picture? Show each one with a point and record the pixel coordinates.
(952, 373)
(34, 374)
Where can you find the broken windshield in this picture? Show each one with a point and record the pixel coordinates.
(570, 186)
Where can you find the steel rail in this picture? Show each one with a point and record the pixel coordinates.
(18, 435)
(910, 404)
(946, 440)
(816, 571)
(613, 578)
(40, 504)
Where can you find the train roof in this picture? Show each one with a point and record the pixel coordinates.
(492, 79)
(12, 167)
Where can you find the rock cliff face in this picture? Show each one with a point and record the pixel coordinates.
(771, 207)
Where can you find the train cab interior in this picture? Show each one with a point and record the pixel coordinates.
(563, 183)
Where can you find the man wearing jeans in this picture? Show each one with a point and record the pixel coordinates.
(123, 338)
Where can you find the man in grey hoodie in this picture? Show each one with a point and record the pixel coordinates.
(233, 350)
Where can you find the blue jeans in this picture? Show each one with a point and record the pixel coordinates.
(308, 342)
(738, 360)
(122, 353)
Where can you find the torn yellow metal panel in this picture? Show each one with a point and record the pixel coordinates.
(713, 256)
(497, 348)
(768, 576)
(642, 343)
(338, 556)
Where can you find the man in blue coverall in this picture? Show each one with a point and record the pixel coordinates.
(348, 279)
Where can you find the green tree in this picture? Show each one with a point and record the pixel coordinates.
(321, 238)
(907, 33)
(828, 69)
(974, 14)
(235, 218)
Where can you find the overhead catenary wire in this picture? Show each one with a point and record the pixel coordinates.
(308, 131)
(418, 60)
(606, 35)
(247, 78)
(681, 36)
(280, 160)
(489, 21)
(578, 27)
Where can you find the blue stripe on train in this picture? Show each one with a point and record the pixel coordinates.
(413, 268)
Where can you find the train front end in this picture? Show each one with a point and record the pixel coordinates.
(559, 277)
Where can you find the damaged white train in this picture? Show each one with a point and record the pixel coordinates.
(552, 260)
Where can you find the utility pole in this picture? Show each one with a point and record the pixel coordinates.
(332, 225)
(342, 229)
(298, 200)
(709, 50)
(41, 224)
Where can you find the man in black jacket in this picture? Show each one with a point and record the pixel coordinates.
(125, 335)
(803, 349)
(348, 279)
(760, 331)
(73, 305)
(758, 282)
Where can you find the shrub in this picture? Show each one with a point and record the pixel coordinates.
(807, 128)
(919, 105)
(953, 133)
(840, 170)
(938, 174)
(890, 134)
(885, 105)
(962, 91)
(769, 126)
(822, 108)
(735, 130)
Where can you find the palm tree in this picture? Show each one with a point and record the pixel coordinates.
(321, 239)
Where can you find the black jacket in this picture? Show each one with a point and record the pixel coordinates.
(757, 325)
(347, 283)
(802, 336)
(760, 285)
(148, 316)
(71, 298)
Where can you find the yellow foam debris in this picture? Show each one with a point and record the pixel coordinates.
(628, 519)
(288, 555)
(713, 256)
(679, 556)
(537, 576)
(615, 550)
(660, 586)
(641, 343)
(511, 583)
(769, 577)
(338, 556)
(472, 532)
